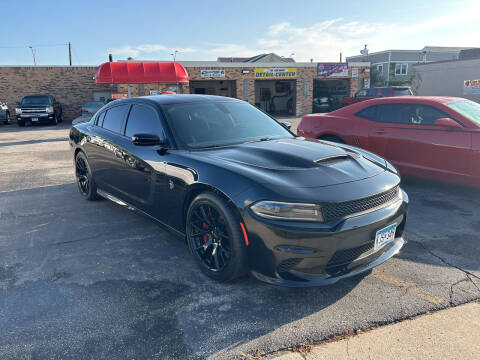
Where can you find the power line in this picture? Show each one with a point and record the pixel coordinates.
(35, 46)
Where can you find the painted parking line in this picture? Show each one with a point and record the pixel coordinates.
(436, 300)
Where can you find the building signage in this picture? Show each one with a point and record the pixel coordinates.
(332, 69)
(471, 87)
(212, 73)
(155, 92)
(275, 73)
(119, 95)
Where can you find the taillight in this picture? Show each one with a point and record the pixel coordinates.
(84, 111)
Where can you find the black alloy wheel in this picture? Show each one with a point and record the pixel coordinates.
(215, 238)
(85, 182)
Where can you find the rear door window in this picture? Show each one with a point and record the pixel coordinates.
(114, 118)
(386, 92)
(369, 113)
(394, 113)
(372, 92)
(143, 120)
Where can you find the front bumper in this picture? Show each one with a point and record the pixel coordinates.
(305, 254)
(40, 117)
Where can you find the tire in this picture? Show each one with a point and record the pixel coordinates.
(211, 225)
(332, 138)
(7, 118)
(55, 119)
(20, 123)
(60, 118)
(85, 183)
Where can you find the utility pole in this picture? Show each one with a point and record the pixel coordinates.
(70, 53)
(340, 57)
(33, 54)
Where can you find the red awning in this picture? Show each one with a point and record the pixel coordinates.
(128, 72)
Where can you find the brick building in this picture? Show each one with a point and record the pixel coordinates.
(70, 85)
(282, 88)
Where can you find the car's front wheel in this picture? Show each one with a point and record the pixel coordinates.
(83, 173)
(7, 118)
(215, 238)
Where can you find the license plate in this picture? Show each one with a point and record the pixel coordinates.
(34, 119)
(384, 236)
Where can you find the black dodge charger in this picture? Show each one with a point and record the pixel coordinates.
(245, 193)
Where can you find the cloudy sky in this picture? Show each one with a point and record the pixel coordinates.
(204, 30)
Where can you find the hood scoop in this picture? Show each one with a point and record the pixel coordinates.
(331, 160)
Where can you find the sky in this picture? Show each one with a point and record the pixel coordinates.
(207, 29)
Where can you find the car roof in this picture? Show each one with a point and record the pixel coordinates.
(176, 99)
(413, 99)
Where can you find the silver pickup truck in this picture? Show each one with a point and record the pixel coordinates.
(4, 113)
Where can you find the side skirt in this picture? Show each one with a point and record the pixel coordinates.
(116, 200)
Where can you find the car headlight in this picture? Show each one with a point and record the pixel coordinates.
(49, 109)
(18, 111)
(287, 211)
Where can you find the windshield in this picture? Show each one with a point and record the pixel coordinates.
(36, 100)
(467, 108)
(402, 92)
(209, 124)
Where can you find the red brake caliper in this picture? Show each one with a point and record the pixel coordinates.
(206, 237)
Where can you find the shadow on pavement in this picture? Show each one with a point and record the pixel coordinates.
(93, 280)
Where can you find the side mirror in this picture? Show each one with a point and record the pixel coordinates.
(286, 124)
(447, 123)
(146, 140)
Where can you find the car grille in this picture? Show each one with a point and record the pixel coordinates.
(346, 256)
(336, 211)
(28, 111)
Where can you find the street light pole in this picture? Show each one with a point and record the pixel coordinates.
(33, 54)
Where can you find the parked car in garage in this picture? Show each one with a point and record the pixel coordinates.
(4, 113)
(37, 109)
(372, 93)
(89, 108)
(245, 193)
(430, 137)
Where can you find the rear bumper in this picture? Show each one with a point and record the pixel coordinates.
(287, 254)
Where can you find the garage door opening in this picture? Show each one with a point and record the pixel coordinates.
(327, 94)
(276, 97)
(214, 87)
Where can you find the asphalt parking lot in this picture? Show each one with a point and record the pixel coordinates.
(85, 279)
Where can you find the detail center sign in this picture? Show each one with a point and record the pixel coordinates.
(212, 73)
(275, 73)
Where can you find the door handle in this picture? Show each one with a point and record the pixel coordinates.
(380, 132)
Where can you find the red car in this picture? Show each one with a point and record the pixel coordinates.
(376, 92)
(430, 137)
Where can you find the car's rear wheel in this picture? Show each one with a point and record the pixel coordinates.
(85, 182)
(332, 138)
(215, 238)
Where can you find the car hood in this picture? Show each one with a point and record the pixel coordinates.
(297, 162)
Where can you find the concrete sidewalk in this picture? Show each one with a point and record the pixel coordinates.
(453, 333)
